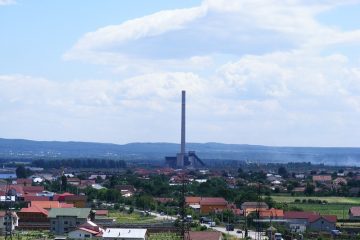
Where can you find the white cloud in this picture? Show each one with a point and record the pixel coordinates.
(262, 72)
(7, 2)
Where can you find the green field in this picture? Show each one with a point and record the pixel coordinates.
(342, 200)
(338, 206)
(340, 210)
(135, 217)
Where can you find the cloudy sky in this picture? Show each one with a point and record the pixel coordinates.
(271, 72)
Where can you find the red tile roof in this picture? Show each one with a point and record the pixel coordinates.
(213, 201)
(310, 216)
(22, 181)
(33, 189)
(213, 235)
(34, 209)
(271, 213)
(321, 178)
(51, 204)
(29, 198)
(102, 212)
(192, 200)
(355, 211)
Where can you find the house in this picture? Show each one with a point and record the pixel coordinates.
(96, 176)
(212, 204)
(207, 204)
(193, 202)
(205, 235)
(64, 220)
(126, 190)
(47, 205)
(340, 181)
(301, 221)
(33, 218)
(86, 183)
(271, 213)
(86, 231)
(325, 179)
(5, 219)
(354, 213)
(78, 201)
(125, 234)
(249, 207)
(33, 189)
(23, 181)
(73, 181)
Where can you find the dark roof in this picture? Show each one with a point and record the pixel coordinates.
(75, 197)
(254, 205)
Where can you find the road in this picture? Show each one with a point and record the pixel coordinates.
(251, 234)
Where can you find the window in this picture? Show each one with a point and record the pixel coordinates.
(53, 229)
(66, 229)
(65, 222)
(87, 235)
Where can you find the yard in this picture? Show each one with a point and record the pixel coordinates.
(135, 217)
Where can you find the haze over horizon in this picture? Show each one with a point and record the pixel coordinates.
(265, 72)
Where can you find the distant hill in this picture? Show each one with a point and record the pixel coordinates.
(27, 149)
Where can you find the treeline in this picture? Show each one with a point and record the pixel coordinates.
(79, 163)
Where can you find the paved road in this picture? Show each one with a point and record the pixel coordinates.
(251, 234)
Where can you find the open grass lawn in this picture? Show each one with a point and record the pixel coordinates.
(291, 199)
(135, 217)
(340, 210)
(338, 206)
(164, 236)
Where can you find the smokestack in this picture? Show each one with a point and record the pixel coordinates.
(182, 150)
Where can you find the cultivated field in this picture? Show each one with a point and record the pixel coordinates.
(135, 217)
(291, 199)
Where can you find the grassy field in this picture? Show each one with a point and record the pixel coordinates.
(338, 206)
(341, 200)
(340, 210)
(135, 217)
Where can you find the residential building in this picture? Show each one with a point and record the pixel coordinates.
(354, 213)
(271, 213)
(301, 221)
(33, 218)
(78, 201)
(326, 179)
(212, 204)
(86, 231)
(249, 207)
(125, 234)
(64, 220)
(4, 220)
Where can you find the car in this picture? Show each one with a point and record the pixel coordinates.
(335, 232)
(229, 227)
(212, 224)
(278, 236)
(239, 231)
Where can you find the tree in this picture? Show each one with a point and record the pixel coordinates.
(283, 172)
(21, 172)
(309, 189)
(63, 182)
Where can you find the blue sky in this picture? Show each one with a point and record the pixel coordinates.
(256, 71)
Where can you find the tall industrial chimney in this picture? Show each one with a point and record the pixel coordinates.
(182, 150)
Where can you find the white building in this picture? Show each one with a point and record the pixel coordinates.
(125, 234)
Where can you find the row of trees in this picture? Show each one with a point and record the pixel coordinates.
(79, 163)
